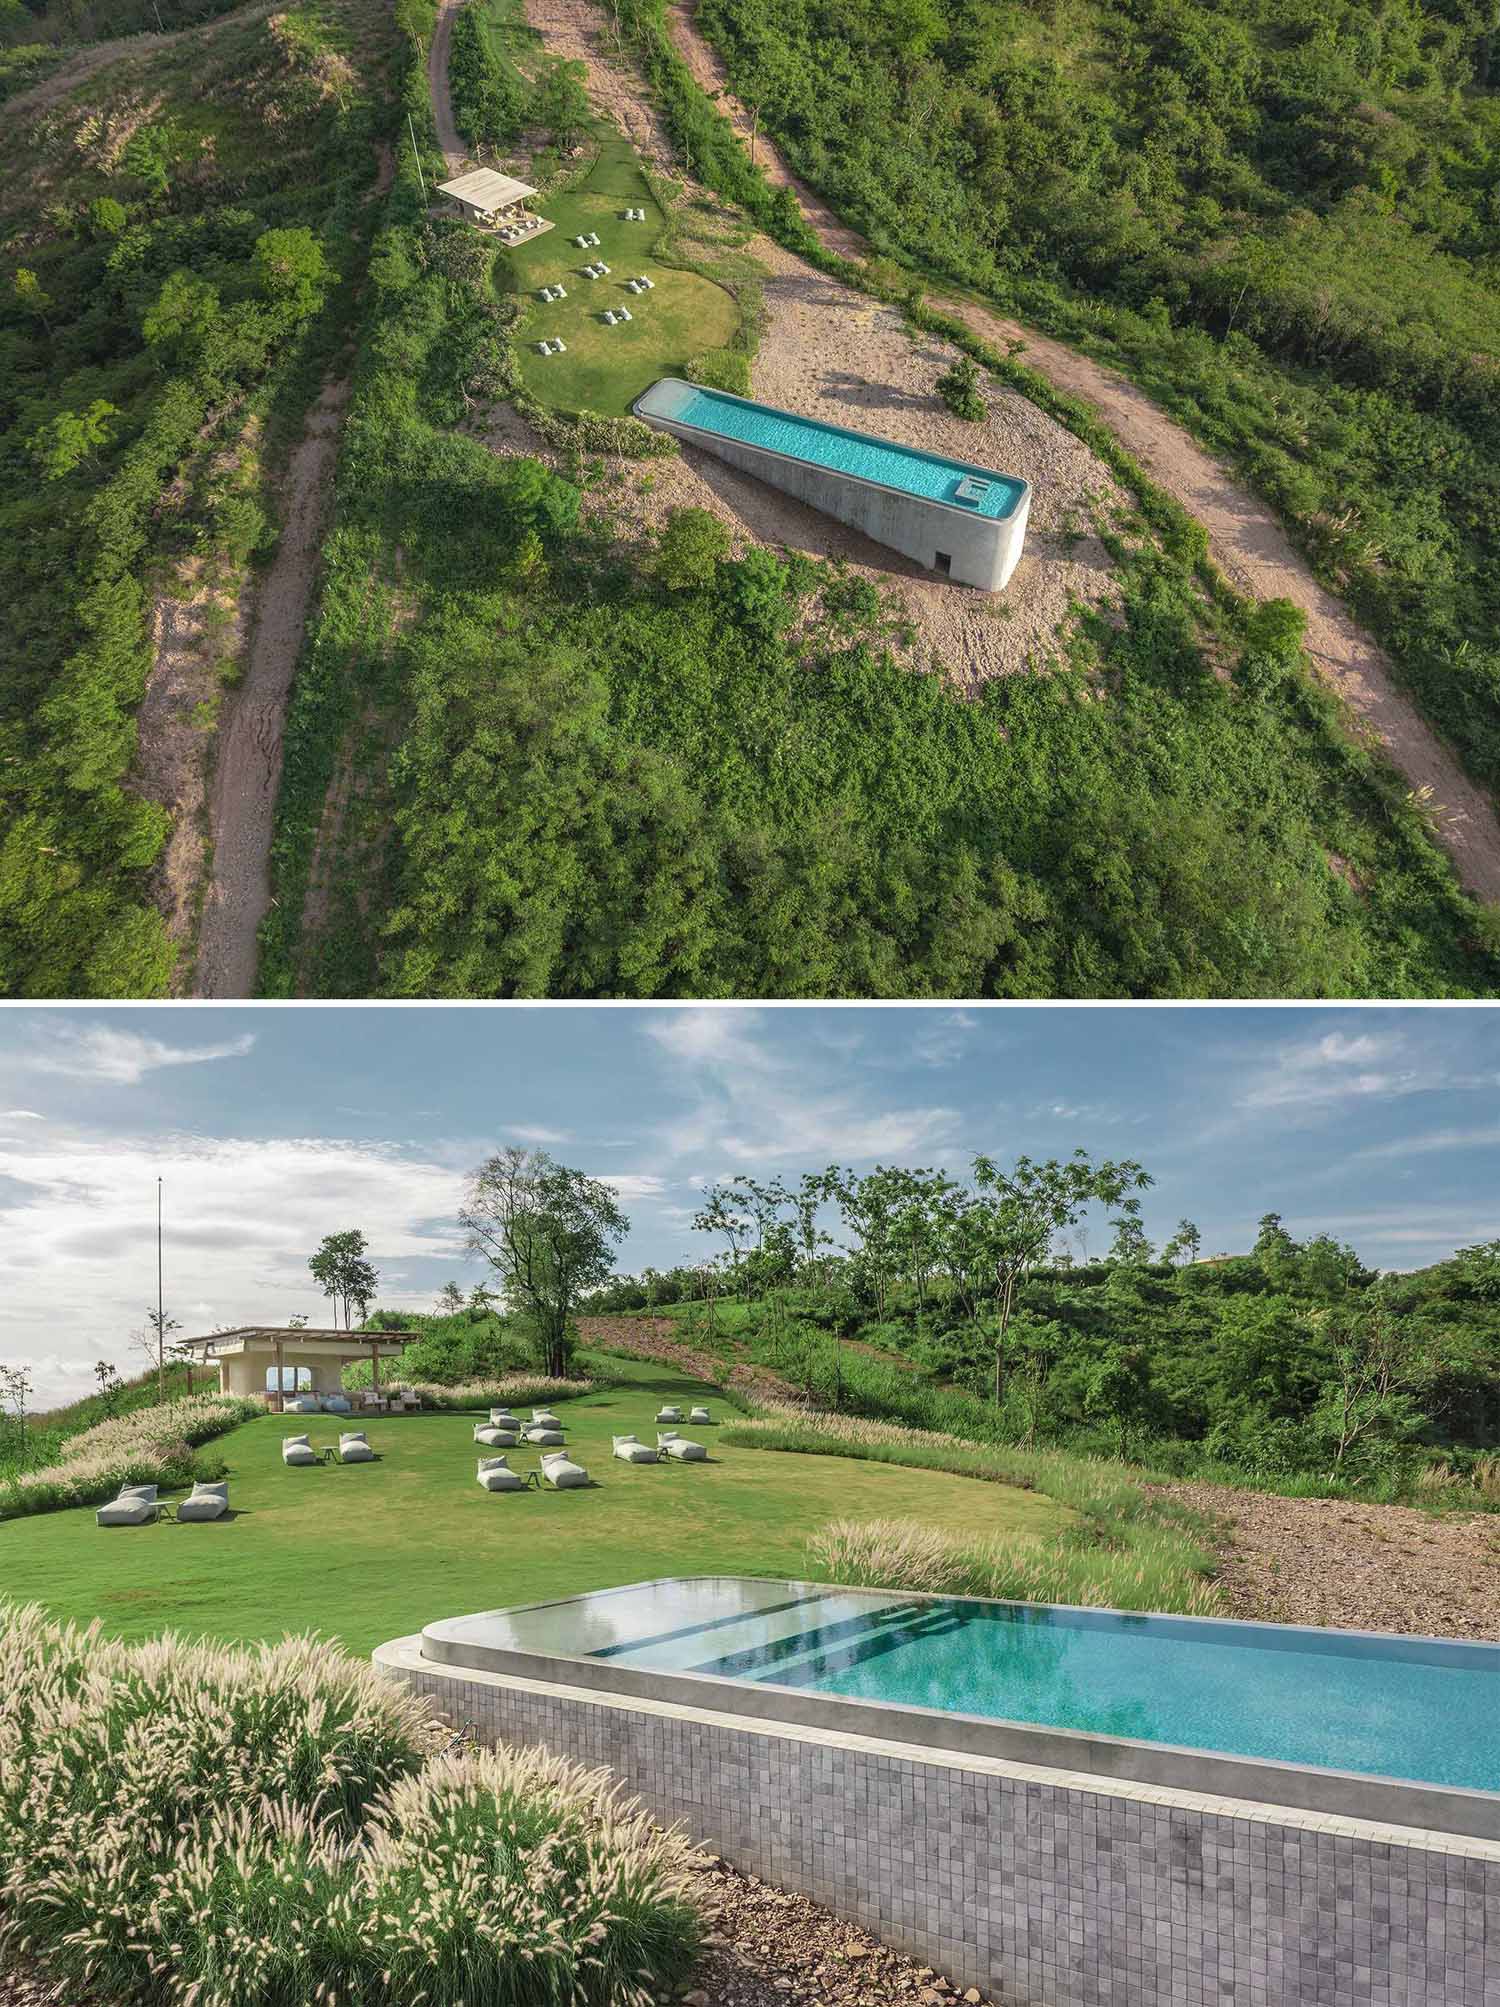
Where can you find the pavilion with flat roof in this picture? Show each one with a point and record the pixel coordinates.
(277, 1361)
(496, 200)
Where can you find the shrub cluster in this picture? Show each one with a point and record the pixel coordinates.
(151, 1446)
(522, 1387)
(267, 1827)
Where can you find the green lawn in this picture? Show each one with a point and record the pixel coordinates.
(365, 1552)
(606, 368)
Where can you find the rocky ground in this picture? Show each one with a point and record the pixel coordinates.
(1369, 1567)
(766, 1947)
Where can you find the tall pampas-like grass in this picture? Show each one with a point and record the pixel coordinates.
(149, 1446)
(530, 1388)
(271, 1826)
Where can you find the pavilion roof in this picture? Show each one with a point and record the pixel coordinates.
(486, 189)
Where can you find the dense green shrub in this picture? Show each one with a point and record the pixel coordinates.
(199, 1827)
(152, 1445)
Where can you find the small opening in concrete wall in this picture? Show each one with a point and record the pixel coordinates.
(944, 562)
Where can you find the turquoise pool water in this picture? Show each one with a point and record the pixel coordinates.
(1415, 1709)
(834, 446)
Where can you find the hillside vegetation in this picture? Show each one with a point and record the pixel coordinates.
(534, 753)
(1279, 216)
(165, 275)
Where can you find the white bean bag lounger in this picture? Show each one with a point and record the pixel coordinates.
(354, 1447)
(205, 1501)
(669, 1414)
(337, 1404)
(559, 1469)
(630, 1449)
(297, 1449)
(700, 1415)
(543, 1436)
(495, 1474)
(546, 1418)
(502, 1418)
(496, 1438)
(679, 1446)
(135, 1506)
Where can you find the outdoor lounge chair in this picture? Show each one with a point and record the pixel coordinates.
(495, 1474)
(502, 1418)
(700, 1415)
(354, 1447)
(297, 1449)
(623, 314)
(559, 348)
(669, 1414)
(672, 1444)
(630, 1449)
(494, 1437)
(337, 1404)
(610, 317)
(560, 1470)
(541, 1435)
(205, 1501)
(546, 1417)
(301, 1404)
(135, 1506)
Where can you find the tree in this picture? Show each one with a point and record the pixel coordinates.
(107, 218)
(690, 549)
(1272, 1239)
(481, 1300)
(721, 1213)
(1479, 1269)
(961, 389)
(562, 104)
(549, 1234)
(290, 270)
(1184, 1244)
(182, 316)
(151, 1342)
(1014, 1216)
(66, 441)
(29, 294)
(15, 1393)
(346, 1277)
(1130, 1245)
(152, 152)
(450, 1300)
(110, 1386)
(1380, 1361)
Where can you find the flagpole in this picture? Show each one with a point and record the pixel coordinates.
(161, 1328)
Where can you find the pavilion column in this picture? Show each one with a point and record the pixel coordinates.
(375, 1370)
(280, 1382)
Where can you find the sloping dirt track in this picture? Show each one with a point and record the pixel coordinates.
(1245, 540)
(437, 85)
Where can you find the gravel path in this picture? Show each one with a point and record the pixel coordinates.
(1245, 539)
(437, 84)
(1369, 1567)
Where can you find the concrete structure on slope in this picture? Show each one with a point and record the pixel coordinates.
(283, 1361)
(961, 520)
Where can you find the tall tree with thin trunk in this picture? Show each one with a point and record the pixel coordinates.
(549, 1233)
(346, 1277)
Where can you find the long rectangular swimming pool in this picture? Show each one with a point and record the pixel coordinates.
(961, 484)
(1424, 1711)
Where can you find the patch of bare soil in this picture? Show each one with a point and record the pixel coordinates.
(100, 55)
(766, 1947)
(657, 1338)
(1372, 1567)
(1245, 539)
(576, 31)
(248, 770)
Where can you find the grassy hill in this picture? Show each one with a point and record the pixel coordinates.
(158, 346)
(365, 1552)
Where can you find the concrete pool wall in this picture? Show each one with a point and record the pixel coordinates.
(1041, 1886)
(947, 537)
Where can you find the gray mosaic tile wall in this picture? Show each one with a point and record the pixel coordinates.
(1039, 1894)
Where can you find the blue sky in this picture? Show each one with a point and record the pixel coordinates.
(271, 1127)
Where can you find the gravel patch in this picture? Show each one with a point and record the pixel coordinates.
(1369, 1567)
(767, 1947)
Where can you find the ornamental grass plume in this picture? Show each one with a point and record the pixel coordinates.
(269, 1826)
(530, 1388)
(150, 1446)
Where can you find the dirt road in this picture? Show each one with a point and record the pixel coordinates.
(84, 65)
(1245, 539)
(247, 773)
(437, 85)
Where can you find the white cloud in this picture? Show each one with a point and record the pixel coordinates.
(20, 1115)
(527, 1133)
(754, 1107)
(1336, 1067)
(628, 1186)
(943, 1037)
(1434, 1142)
(78, 1236)
(124, 1058)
